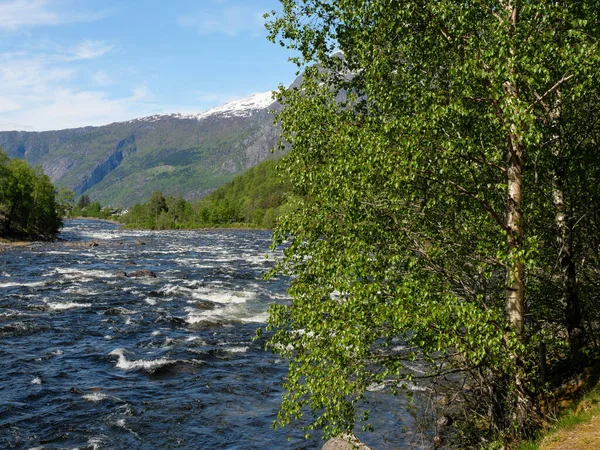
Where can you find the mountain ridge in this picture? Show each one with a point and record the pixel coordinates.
(121, 163)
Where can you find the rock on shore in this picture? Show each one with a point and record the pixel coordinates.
(345, 442)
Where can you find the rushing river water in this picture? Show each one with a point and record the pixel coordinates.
(91, 360)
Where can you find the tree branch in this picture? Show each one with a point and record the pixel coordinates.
(539, 99)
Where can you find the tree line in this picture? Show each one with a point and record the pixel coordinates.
(444, 158)
(253, 199)
(28, 205)
(84, 206)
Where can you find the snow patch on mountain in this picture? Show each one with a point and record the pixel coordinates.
(240, 108)
(237, 108)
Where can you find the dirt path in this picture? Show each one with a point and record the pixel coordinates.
(583, 436)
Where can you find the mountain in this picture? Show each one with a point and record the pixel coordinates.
(123, 163)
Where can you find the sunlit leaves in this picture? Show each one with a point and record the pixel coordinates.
(399, 162)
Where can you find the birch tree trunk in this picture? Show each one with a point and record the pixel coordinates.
(514, 213)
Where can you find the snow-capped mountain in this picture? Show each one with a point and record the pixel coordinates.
(244, 107)
(240, 108)
(178, 154)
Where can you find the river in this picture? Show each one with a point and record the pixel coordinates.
(92, 360)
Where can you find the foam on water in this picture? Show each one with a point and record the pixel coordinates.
(95, 442)
(148, 365)
(79, 290)
(58, 306)
(236, 349)
(230, 312)
(74, 273)
(258, 318)
(95, 397)
(101, 235)
(27, 284)
(222, 296)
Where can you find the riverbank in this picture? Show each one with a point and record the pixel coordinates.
(5, 244)
(217, 227)
(116, 222)
(577, 426)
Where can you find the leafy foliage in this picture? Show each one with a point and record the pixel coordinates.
(427, 159)
(28, 207)
(253, 199)
(84, 207)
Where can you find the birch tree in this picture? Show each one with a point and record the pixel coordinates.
(414, 137)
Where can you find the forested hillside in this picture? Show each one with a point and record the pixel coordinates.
(28, 207)
(253, 199)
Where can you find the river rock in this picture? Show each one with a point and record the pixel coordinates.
(345, 442)
(117, 311)
(205, 305)
(93, 244)
(144, 273)
(140, 242)
(445, 421)
(121, 274)
(156, 294)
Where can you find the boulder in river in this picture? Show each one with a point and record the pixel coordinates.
(117, 311)
(205, 305)
(140, 242)
(144, 273)
(121, 274)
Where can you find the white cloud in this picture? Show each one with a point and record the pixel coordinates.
(90, 49)
(140, 92)
(39, 92)
(101, 78)
(231, 21)
(8, 105)
(65, 108)
(17, 14)
(29, 74)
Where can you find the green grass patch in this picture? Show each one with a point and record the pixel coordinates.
(579, 414)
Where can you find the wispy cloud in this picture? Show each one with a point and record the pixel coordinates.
(7, 104)
(90, 49)
(140, 92)
(18, 14)
(66, 108)
(101, 78)
(41, 92)
(230, 21)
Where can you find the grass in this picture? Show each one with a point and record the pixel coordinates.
(578, 428)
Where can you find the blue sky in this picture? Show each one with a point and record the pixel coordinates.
(71, 63)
